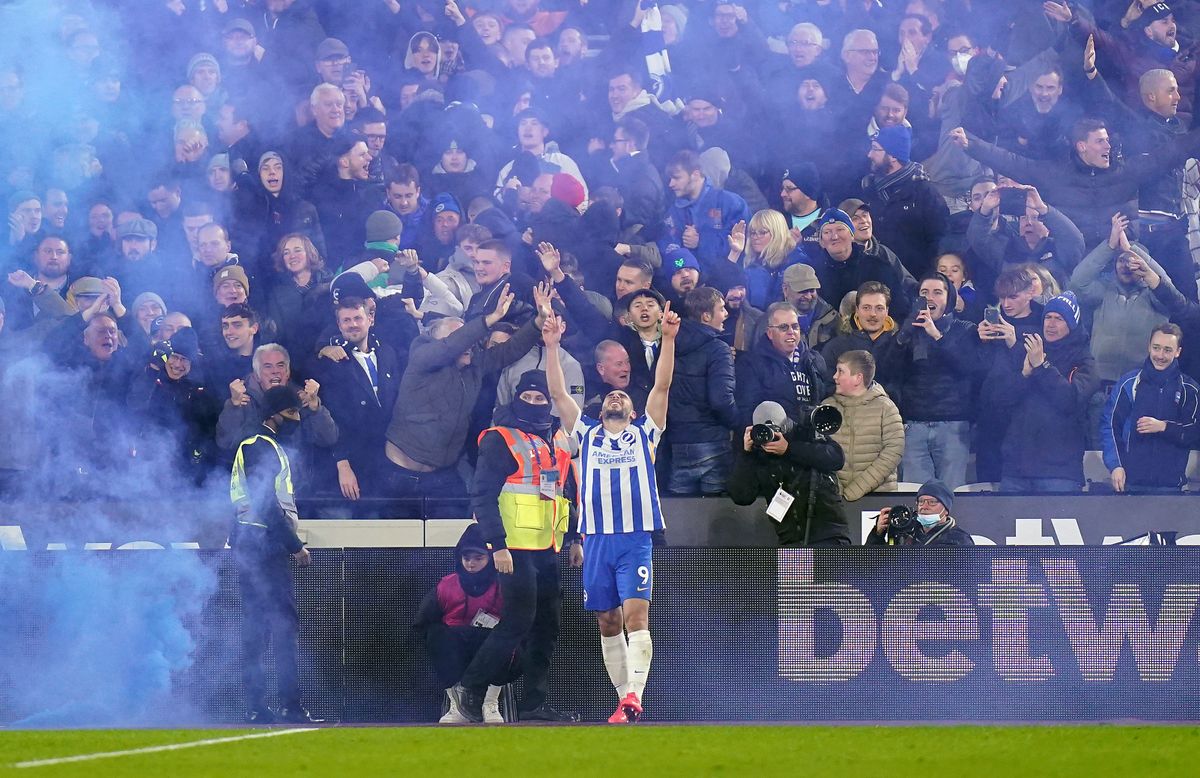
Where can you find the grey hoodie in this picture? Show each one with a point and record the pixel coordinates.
(1122, 315)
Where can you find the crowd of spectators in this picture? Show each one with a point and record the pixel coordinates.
(968, 225)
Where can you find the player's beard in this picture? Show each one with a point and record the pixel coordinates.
(615, 415)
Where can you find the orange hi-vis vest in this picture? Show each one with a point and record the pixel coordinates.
(532, 502)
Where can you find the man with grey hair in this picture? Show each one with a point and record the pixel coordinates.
(243, 414)
(315, 144)
(857, 92)
(805, 58)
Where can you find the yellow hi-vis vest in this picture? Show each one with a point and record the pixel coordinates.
(534, 521)
(284, 492)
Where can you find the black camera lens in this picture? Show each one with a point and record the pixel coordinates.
(901, 518)
(761, 434)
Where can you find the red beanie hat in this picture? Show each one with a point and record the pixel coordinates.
(567, 188)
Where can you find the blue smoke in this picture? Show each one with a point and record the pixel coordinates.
(93, 640)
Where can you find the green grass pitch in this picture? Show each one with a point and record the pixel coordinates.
(644, 751)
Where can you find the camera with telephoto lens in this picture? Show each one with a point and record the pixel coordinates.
(764, 433)
(820, 420)
(902, 520)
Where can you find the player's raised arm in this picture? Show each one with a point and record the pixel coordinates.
(568, 411)
(656, 403)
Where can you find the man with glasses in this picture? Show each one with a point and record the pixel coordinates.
(819, 320)
(780, 367)
(371, 126)
(801, 195)
(631, 172)
(187, 104)
(934, 524)
(804, 60)
(858, 91)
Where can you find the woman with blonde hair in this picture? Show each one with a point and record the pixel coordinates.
(766, 248)
(1045, 286)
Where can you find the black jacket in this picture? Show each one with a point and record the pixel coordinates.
(1086, 195)
(360, 416)
(262, 219)
(889, 357)
(182, 412)
(291, 42)
(838, 278)
(939, 376)
(910, 217)
(949, 534)
(343, 206)
(703, 408)
(765, 374)
(758, 474)
(1047, 429)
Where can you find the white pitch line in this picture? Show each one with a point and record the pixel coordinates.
(154, 749)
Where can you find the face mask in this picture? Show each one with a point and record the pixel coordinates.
(959, 61)
(929, 519)
(536, 416)
(287, 428)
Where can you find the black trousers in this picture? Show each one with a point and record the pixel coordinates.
(269, 617)
(451, 650)
(528, 625)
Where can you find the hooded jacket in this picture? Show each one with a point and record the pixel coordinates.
(262, 219)
(872, 440)
(1153, 459)
(713, 213)
(460, 596)
(1047, 428)
(703, 408)
(1122, 314)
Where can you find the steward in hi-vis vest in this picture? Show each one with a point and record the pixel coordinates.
(524, 498)
(263, 536)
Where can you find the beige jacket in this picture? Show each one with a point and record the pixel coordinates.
(872, 438)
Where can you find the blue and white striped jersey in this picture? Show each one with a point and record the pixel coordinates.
(619, 493)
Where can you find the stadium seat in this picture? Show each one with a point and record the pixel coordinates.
(981, 486)
(908, 486)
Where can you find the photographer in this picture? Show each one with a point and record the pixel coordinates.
(931, 525)
(795, 468)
